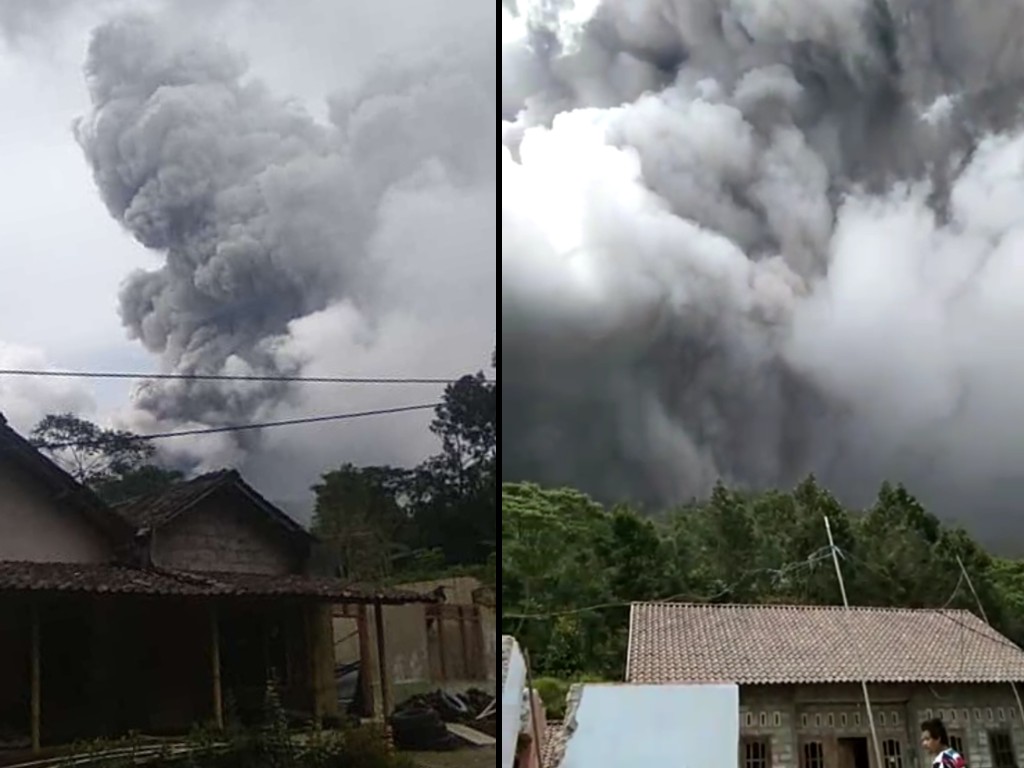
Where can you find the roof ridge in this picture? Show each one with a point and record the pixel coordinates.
(798, 607)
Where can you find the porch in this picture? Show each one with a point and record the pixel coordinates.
(118, 651)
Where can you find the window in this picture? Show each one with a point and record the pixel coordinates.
(881, 718)
(842, 720)
(831, 720)
(892, 753)
(803, 720)
(989, 713)
(777, 720)
(1001, 746)
(952, 715)
(756, 754)
(1002, 714)
(956, 741)
(749, 719)
(764, 720)
(856, 718)
(896, 718)
(812, 755)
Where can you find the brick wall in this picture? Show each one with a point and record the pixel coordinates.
(222, 534)
(787, 716)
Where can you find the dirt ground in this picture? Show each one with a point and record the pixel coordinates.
(479, 757)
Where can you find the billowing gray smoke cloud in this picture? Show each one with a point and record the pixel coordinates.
(263, 215)
(753, 239)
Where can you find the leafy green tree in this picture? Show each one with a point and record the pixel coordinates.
(90, 453)
(455, 492)
(136, 483)
(570, 568)
(114, 463)
(359, 516)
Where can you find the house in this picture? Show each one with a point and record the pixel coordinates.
(155, 615)
(799, 671)
(450, 643)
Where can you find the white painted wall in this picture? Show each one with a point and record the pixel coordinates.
(655, 726)
(37, 527)
(512, 705)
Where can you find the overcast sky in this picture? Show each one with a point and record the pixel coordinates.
(64, 257)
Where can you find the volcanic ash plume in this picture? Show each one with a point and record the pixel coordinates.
(262, 215)
(756, 239)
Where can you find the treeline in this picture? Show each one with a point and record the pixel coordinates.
(570, 567)
(374, 522)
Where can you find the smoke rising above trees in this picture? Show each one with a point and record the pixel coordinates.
(754, 240)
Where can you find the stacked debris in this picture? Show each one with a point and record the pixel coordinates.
(419, 723)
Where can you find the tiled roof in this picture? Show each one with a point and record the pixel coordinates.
(154, 510)
(553, 747)
(122, 579)
(774, 644)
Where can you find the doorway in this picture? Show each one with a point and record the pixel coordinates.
(853, 753)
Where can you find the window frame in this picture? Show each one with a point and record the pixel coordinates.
(892, 753)
(764, 742)
(805, 761)
(996, 735)
(962, 739)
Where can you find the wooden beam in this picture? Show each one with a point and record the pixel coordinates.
(440, 643)
(365, 662)
(218, 698)
(382, 658)
(467, 667)
(37, 688)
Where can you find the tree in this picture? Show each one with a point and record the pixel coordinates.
(91, 454)
(135, 483)
(115, 464)
(454, 494)
(570, 567)
(359, 515)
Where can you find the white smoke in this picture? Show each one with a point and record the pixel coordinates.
(755, 239)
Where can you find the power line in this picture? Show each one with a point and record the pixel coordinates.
(245, 427)
(25, 372)
(816, 557)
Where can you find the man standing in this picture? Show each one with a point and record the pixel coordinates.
(935, 741)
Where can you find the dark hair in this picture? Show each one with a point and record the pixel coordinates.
(936, 729)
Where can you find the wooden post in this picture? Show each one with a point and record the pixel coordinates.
(467, 672)
(438, 611)
(382, 658)
(365, 662)
(856, 649)
(218, 699)
(37, 688)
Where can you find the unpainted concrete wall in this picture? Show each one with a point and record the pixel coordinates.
(37, 527)
(790, 715)
(412, 668)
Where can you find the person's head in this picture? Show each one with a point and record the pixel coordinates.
(934, 738)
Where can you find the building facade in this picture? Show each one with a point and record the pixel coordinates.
(800, 668)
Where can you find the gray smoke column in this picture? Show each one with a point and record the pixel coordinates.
(261, 215)
(753, 239)
(233, 186)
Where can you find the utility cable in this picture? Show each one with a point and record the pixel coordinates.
(244, 427)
